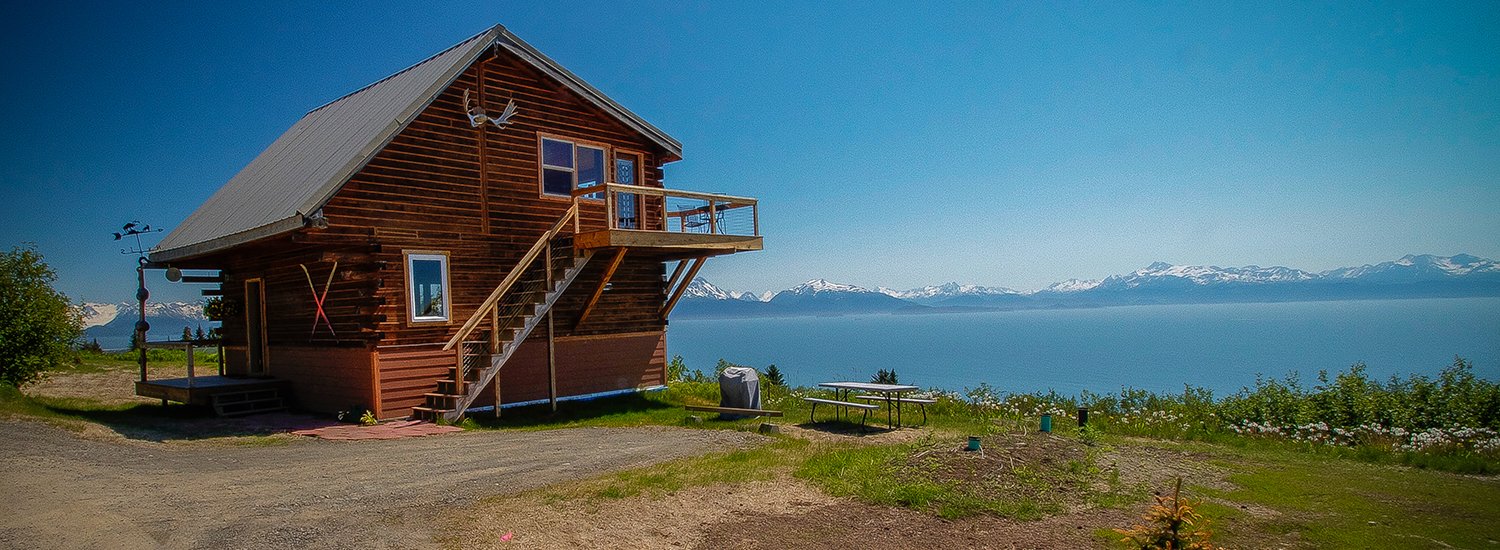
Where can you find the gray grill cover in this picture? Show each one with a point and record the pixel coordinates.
(739, 387)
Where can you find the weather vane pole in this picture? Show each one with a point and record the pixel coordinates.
(136, 229)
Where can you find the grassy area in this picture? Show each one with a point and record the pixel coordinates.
(1264, 488)
(1336, 503)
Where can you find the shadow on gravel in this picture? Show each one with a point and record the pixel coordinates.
(151, 422)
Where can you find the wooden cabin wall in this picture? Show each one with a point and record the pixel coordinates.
(329, 371)
(425, 191)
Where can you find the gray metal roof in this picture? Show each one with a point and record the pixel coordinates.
(303, 168)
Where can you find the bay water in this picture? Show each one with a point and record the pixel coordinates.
(1222, 347)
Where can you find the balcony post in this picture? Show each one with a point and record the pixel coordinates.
(609, 208)
(712, 217)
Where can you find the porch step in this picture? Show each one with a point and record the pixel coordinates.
(428, 413)
(248, 402)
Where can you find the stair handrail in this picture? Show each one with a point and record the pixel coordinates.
(493, 300)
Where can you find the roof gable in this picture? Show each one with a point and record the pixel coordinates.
(300, 171)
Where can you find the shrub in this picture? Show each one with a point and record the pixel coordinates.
(676, 369)
(884, 377)
(774, 377)
(38, 324)
(1170, 523)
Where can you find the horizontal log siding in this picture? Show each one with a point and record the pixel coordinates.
(585, 365)
(423, 192)
(352, 304)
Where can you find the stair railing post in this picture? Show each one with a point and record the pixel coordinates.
(494, 330)
(459, 372)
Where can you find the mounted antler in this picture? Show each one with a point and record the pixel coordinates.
(478, 117)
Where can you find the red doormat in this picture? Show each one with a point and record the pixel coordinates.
(388, 430)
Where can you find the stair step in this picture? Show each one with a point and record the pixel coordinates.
(236, 397)
(428, 413)
(247, 402)
(250, 407)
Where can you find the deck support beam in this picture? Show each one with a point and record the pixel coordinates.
(609, 272)
(682, 286)
(672, 281)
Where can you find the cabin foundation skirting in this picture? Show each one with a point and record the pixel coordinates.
(585, 365)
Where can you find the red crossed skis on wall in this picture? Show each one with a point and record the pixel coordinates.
(319, 299)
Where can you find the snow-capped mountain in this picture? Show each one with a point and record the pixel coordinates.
(819, 286)
(819, 296)
(1416, 268)
(701, 288)
(1160, 273)
(100, 314)
(945, 290)
(1070, 285)
(1413, 276)
(112, 324)
(954, 294)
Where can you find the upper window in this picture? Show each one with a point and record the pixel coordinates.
(567, 166)
(427, 287)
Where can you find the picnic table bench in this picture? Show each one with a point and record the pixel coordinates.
(893, 391)
(732, 410)
(816, 400)
(921, 402)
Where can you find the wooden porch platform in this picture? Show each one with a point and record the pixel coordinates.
(200, 390)
(668, 244)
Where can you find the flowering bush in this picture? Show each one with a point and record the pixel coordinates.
(1455, 414)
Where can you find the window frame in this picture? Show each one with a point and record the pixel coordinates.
(446, 271)
(606, 171)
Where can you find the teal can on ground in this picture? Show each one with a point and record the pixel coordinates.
(1046, 423)
(973, 443)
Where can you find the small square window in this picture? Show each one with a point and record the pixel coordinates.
(427, 287)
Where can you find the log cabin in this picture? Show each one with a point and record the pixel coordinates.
(481, 229)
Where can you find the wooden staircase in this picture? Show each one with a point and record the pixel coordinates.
(517, 306)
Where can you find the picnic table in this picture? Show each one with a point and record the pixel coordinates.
(887, 390)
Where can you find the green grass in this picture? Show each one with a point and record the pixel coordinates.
(69, 413)
(1329, 503)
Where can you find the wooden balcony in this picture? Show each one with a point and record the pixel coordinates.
(670, 224)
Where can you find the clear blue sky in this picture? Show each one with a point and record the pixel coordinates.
(999, 144)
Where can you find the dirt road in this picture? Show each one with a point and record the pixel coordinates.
(58, 490)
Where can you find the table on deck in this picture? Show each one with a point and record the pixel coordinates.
(884, 389)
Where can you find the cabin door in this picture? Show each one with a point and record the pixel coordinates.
(255, 327)
(627, 207)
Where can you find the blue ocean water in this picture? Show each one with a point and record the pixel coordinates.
(1221, 347)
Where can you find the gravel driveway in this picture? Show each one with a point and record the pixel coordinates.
(58, 490)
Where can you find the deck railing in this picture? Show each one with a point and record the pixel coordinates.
(643, 208)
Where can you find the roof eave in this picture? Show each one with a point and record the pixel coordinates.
(219, 244)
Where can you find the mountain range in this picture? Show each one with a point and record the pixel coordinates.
(1412, 276)
(113, 324)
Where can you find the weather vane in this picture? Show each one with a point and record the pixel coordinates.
(135, 229)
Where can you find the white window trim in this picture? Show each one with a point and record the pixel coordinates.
(411, 295)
